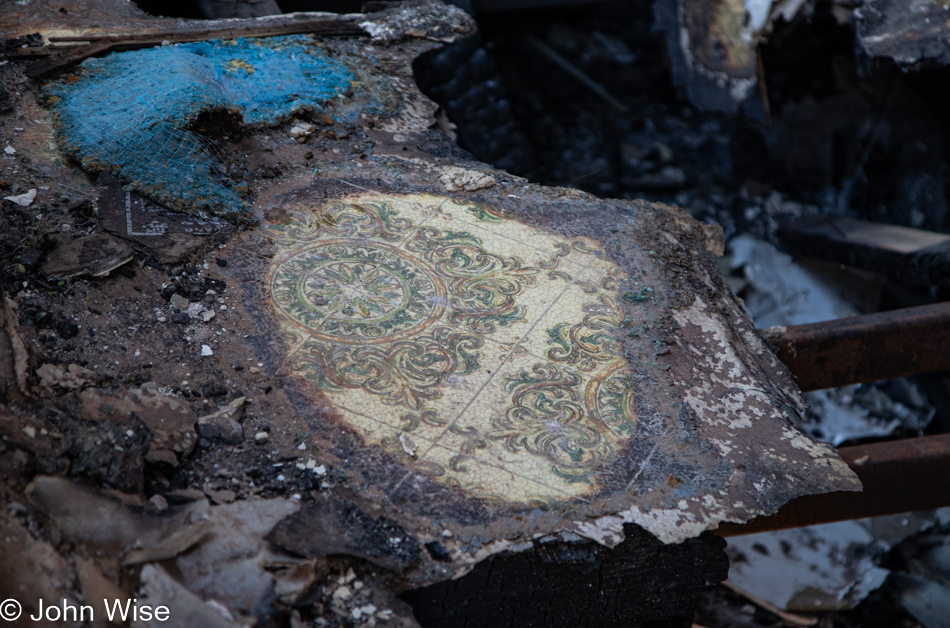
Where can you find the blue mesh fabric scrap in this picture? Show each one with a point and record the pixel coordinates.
(130, 113)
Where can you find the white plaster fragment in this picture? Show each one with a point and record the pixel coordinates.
(23, 200)
(605, 530)
(456, 179)
(408, 445)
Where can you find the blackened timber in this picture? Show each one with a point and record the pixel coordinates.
(912, 256)
(640, 582)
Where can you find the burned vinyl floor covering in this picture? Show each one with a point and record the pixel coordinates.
(407, 364)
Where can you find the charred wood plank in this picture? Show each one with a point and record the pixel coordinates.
(96, 43)
(912, 256)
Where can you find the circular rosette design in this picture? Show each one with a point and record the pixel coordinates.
(355, 292)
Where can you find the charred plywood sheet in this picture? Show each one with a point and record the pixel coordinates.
(489, 362)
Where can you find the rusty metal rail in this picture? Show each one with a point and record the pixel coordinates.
(866, 348)
(898, 476)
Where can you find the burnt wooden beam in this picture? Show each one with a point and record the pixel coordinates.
(864, 349)
(57, 61)
(912, 256)
(94, 43)
(640, 582)
(270, 26)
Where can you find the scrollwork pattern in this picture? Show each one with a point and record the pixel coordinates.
(589, 343)
(404, 373)
(340, 219)
(483, 286)
(549, 418)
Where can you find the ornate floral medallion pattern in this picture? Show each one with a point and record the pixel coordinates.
(355, 293)
(479, 350)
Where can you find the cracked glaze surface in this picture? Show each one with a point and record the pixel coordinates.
(478, 349)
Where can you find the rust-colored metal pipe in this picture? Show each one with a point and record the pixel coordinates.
(866, 348)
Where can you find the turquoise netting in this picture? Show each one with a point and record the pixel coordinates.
(131, 113)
